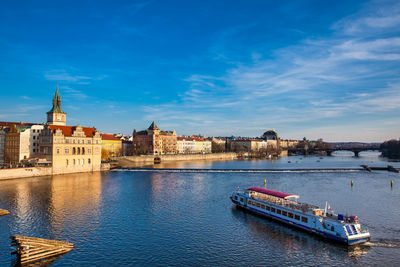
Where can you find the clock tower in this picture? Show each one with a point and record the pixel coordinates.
(56, 116)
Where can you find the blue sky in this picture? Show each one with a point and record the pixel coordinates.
(328, 69)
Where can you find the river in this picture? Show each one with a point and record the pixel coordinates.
(176, 219)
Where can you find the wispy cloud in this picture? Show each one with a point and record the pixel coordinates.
(346, 75)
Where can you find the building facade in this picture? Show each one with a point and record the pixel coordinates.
(34, 140)
(154, 141)
(193, 145)
(68, 148)
(3, 133)
(111, 146)
(17, 145)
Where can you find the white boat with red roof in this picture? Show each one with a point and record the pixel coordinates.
(285, 208)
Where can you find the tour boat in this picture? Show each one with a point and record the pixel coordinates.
(283, 207)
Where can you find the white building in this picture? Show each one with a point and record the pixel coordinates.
(34, 139)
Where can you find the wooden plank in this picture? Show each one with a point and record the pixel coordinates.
(31, 249)
(3, 212)
(43, 255)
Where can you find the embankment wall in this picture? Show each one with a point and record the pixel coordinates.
(39, 171)
(212, 156)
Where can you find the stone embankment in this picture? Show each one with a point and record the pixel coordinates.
(149, 159)
(36, 171)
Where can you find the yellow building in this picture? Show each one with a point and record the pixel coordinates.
(68, 148)
(111, 146)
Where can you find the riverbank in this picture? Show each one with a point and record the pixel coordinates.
(15, 173)
(147, 160)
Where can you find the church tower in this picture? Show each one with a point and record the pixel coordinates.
(56, 116)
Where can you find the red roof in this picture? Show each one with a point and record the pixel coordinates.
(272, 192)
(68, 130)
(109, 137)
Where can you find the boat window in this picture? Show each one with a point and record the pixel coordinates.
(248, 202)
(290, 215)
(236, 198)
(278, 211)
(254, 203)
(241, 199)
(304, 219)
(258, 204)
(272, 209)
(284, 213)
(267, 208)
(262, 206)
(297, 217)
(332, 228)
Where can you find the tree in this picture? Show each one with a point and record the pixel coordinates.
(105, 155)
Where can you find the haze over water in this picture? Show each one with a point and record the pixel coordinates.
(164, 218)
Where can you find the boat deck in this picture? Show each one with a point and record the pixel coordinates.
(284, 202)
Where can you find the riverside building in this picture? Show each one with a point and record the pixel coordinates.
(154, 141)
(68, 148)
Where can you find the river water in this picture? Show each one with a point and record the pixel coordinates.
(176, 219)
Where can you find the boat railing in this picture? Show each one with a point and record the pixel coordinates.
(284, 202)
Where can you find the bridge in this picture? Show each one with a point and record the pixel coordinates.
(329, 151)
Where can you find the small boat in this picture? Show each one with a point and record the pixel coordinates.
(281, 207)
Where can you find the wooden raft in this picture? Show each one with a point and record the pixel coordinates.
(4, 212)
(31, 249)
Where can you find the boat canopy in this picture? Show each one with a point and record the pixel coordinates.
(272, 192)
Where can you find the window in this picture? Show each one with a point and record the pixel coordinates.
(263, 206)
(236, 198)
(79, 141)
(241, 199)
(88, 141)
(272, 209)
(249, 202)
(297, 217)
(58, 151)
(267, 207)
(89, 150)
(34, 132)
(88, 161)
(74, 150)
(254, 203)
(74, 161)
(78, 162)
(66, 151)
(304, 219)
(332, 228)
(34, 137)
(284, 213)
(83, 151)
(258, 205)
(278, 211)
(83, 162)
(67, 162)
(290, 215)
(79, 150)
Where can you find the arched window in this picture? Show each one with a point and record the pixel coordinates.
(67, 162)
(79, 150)
(83, 151)
(74, 161)
(74, 151)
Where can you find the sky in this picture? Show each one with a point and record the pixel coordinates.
(314, 69)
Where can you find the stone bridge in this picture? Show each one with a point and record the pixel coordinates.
(329, 151)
